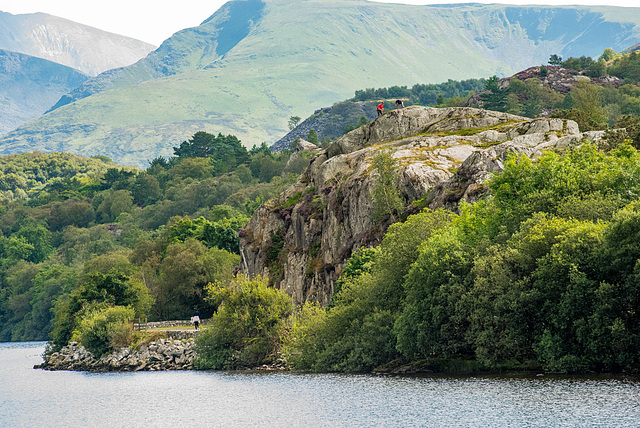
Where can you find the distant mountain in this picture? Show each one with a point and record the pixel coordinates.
(633, 48)
(85, 48)
(254, 63)
(29, 86)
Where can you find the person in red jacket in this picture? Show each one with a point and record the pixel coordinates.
(380, 108)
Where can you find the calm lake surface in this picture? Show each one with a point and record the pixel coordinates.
(37, 398)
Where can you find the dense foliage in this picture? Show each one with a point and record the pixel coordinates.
(29, 173)
(79, 236)
(106, 330)
(542, 275)
(594, 106)
(423, 94)
(245, 331)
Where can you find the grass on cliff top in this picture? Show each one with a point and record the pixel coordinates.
(472, 131)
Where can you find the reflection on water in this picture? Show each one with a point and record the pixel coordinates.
(36, 398)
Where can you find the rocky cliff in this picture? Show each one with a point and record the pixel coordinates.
(302, 240)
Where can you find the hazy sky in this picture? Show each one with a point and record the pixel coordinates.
(154, 21)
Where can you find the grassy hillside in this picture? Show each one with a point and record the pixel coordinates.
(29, 86)
(254, 64)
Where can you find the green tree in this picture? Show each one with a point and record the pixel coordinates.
(626, 67)
(104, 330)
(114, 203)
(578, 64)
(544, 71)
(496, 97)
(116, 178)
(607, 55)
(430, 324)
(226, 152)
(555, 59)
(178, 281)
(245, 331)
(105, 281)
(146, 190)
(588, 100)
(293, 122)
(312, 137)
(39, 238)
(387, 200)
(79, 213)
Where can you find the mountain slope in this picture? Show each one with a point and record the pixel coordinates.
(29, 86)
(254, 63)
(85, 48)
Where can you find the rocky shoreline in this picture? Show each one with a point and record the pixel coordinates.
(164, 354)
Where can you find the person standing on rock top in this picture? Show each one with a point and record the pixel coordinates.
(399, 104)
(195, 319)
(380, 108)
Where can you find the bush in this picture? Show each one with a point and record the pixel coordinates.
(544, 71)
(245, 331)
(105, 330)
(302, 341)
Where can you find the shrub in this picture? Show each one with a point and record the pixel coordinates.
(302, 342)
(107, 329)
(544, 71)
(245, 331)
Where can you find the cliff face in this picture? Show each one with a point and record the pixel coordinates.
(302, 240)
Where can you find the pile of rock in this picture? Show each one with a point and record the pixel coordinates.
(560, 79)
(165, 354)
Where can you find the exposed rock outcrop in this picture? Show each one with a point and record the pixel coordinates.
(559, 79)
(302, 240)
(329, 122)
(161, 355)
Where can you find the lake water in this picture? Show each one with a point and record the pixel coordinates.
(37, 398)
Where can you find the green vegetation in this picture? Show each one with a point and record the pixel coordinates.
(593, 106)
(245, 331)
(424, 94)
(22, 176)
(293, 122)
(386, 198)
(312, 137)
(106, 330)
(249, 83)
(80, 236)
(543, 275)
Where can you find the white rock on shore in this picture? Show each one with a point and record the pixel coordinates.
(165, 354)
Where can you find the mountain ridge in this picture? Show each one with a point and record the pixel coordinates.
(286, 66)
(75, 45)
(29, 85)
